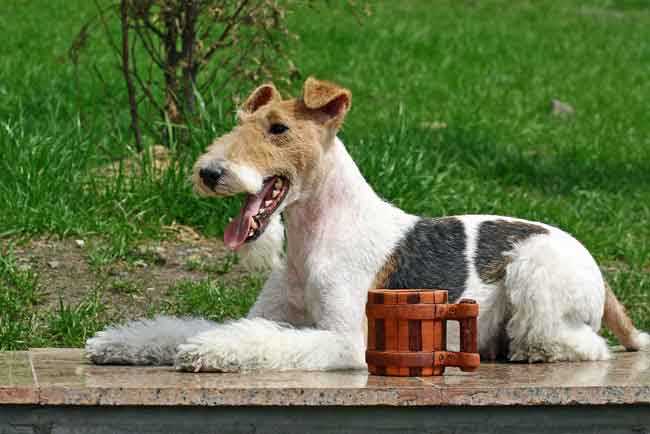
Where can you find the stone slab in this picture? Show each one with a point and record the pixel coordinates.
(17, 385)
(62, 377)
(625, 380)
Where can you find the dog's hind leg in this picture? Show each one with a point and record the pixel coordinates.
(556, 296)
(143, 342)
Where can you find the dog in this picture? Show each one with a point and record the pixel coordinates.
(542, 296)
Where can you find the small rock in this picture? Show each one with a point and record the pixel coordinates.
(80, 243)
(118, 273)
(561, 109)
(54, 264)
(140, 263)
(153, 254)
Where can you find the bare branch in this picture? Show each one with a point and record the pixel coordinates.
(135, 121)
(188, 41)
(145, 87)
(147, 44)
(226, 31)
(107, 31)
(149, 25)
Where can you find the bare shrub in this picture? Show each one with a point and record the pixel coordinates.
(171, 51)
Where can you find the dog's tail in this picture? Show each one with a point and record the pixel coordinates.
(617, 320)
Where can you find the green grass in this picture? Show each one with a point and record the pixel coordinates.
(69, 325)
(19, 296)
(213, 299)
(487, 69)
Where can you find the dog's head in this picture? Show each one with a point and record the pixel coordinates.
(273, 154)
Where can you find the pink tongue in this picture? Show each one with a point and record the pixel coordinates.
(237, 230)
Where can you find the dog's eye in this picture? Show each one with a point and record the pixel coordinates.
(278, 128)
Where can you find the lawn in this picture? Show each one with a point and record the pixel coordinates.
(450, 116)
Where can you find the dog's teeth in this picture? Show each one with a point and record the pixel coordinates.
(250, 234)
(275, 193)
(261, 211)
(268, 203)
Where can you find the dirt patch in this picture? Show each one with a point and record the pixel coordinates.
(129, 285)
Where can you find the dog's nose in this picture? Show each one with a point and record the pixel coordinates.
(210, 176)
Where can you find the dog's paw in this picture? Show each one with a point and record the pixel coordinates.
(188, 358)
(102, 349)
(193, 357)
(123, 345)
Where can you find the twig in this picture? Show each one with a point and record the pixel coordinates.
(149, 47)
(145, 87)
(135, 122)
(218, 43)
(188, 40)
(109, 35)
(150, 26)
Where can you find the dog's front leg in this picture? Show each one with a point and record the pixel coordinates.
(282, 301)
(336, 342)
(260, 344)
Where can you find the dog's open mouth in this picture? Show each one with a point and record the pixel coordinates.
(256, 212)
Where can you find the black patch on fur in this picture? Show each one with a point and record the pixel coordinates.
(496, 237)
(431, 256)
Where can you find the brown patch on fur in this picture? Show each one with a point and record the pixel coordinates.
(497, 237)
(292, 154)
(260, 97)
(312, 123)
(494, 271)
(384, 273)
(327, 97)
(617, 320)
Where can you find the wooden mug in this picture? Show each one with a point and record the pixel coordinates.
(407, 332)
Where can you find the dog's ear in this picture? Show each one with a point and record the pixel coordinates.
(260, 97)
(327, 98)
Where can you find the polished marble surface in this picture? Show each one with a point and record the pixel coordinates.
(64, 377)
(17, 384)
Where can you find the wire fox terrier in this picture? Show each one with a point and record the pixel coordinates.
(542, 296)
